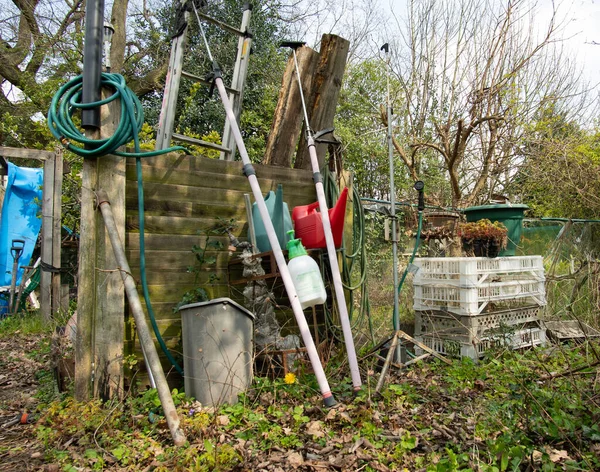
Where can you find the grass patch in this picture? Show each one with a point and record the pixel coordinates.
(30, 323)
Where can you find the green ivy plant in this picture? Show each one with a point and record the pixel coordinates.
(204, 257)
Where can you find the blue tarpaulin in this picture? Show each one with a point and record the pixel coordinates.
(21, 218)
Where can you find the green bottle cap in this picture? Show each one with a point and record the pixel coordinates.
(295, 247)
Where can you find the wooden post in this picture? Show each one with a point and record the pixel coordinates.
(47, 214)
(100, 297)
(287, 122)
(56, 230)
(51, 216)
(322, 101)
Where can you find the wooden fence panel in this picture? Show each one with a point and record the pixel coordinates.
(183, 196)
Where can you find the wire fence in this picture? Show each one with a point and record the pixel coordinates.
(572, 267)
(570, 251)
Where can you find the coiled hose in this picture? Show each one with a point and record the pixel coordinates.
(65, 104)
(357, 254)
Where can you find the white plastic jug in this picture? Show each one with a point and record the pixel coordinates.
(305, 274)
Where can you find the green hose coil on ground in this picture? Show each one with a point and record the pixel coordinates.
(65, 103)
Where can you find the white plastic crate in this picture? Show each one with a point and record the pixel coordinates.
(442, 324)
(458, 347)
(473, 300)
(471, 272)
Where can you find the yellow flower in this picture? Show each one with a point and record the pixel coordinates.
(290, 378)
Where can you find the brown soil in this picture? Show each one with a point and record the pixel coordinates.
(19, 371)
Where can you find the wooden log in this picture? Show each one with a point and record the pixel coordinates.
(287, 121)
(325, 91)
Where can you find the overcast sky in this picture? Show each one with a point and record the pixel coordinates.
(584, 32)
(581, 27)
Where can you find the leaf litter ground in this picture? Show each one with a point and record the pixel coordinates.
(532, 411)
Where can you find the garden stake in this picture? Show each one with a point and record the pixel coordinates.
(386, 364)
(331, 251)
(150, 354)
(250, 173)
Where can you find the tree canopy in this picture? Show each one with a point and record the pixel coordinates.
(471, 82)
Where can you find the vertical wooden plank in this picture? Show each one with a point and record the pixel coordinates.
(47, 228)
(56, 230)
(64, 298)
(100, 298)
(322, 101)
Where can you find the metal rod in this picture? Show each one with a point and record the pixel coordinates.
(331, 251)
(220, 24)
(92, 62)
(153, 361)
(251, 232)
(396, 315)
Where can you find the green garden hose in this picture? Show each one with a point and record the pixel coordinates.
(65, 104)
(350, 256)
(410, 261)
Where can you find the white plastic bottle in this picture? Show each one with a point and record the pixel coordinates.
(305, 274)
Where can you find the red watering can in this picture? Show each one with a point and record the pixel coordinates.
(308, 223)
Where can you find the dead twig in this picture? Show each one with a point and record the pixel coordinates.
(568, 372)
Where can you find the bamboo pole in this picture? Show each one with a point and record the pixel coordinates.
(153, 362)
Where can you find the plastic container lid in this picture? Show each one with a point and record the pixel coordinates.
(503, 206)
(219, 301)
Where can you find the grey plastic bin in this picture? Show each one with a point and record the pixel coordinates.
(217, 349)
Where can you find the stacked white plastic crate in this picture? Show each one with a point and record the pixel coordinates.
(461, 302)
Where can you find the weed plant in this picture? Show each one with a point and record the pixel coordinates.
(510, 411)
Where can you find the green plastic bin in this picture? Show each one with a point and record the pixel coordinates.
(510, 215)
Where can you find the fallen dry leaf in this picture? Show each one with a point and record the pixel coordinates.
(295, 459)
(315, 428)
(223, 420)
(558, 456)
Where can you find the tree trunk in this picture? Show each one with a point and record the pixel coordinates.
(322, 101)
(118, 20)
(287, 123)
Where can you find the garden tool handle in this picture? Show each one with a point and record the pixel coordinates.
(17, 248)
